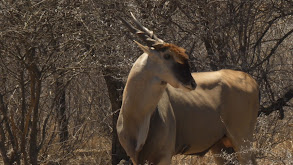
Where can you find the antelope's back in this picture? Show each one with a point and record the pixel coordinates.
(202, 116)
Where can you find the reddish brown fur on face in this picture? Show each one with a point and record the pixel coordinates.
(178, 51)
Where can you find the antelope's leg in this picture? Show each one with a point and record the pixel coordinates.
(244, 153)
(165, 160)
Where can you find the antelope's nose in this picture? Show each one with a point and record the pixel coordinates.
(193, 84)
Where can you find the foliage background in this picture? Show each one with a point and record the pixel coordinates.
(63, 66)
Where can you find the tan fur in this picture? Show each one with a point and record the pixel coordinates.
(221, 112)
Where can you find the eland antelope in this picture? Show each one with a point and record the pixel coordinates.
(167, 110)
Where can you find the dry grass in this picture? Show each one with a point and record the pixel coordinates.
(274, 139)
(273, 145)
(187, 160)
(273, 142)
(94, 151)
(97, 151)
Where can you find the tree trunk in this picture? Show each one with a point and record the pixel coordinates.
(60, 94)
(3, 149)
(35, 99)
(210, 54)
(113, 84)
(35, 94)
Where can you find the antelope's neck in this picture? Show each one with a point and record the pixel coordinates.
(143, 90)
(141, 95)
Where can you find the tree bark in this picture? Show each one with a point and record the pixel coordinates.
(3, 149)
(23, 141)
(113, 85)
(35, 93)
(60, 94)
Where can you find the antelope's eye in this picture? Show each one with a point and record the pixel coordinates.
(167, 56)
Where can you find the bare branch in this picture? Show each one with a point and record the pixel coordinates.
(273, 50)
(278, 105)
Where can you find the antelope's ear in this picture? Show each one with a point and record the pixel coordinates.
(145, 49)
